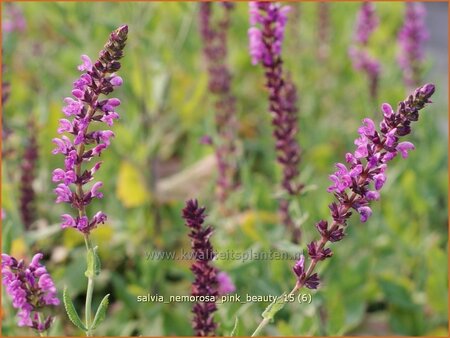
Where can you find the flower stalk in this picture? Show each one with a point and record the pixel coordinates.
(411, 39)
(366, 23)
(214, 38)
(28, 168)
(206, 282)
(268, 21)
(88, 109)
(357, 186)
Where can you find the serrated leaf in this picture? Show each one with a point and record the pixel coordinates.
(71, 312)
(101, 312)
(274, 307)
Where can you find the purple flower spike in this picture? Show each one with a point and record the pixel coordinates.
(28, 173)
(31, 289)
(357, 185)
(206, 280)
(215, 50)
(86, 108)
(268, 21)
(411, 40)
(366, 22)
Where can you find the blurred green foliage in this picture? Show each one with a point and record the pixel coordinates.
(388, 276)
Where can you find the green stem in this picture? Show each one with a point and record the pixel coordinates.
(89, 292)
(266, 321)
(261, 325)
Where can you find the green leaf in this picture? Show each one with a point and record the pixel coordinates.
(71, 312)
(101, 312)
(274, 307)
(396, 293)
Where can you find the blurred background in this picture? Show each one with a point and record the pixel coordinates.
(388, 276)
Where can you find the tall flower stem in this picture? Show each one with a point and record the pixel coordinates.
(88, 109)
(411, 40)
(268, 21)
(266, 321)
(215, 50)
(352, 187)
(89, 291)
(366, 23)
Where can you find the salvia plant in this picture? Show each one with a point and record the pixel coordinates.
(411, 40)
(32, 291)
(88, 110)
(356, 184)
(268, 21)
(85, 133)
(366, 23)
(214, 38)
(209, 282)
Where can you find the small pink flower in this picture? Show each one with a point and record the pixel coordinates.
(116, 81)
(94, 190)
(73, 107)
(365, 213)
(64, 126)
(379, 180)
(404, 147)
(67, 221)
(387, 110)
(86, 65)
(109, 118)
(63, 193)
